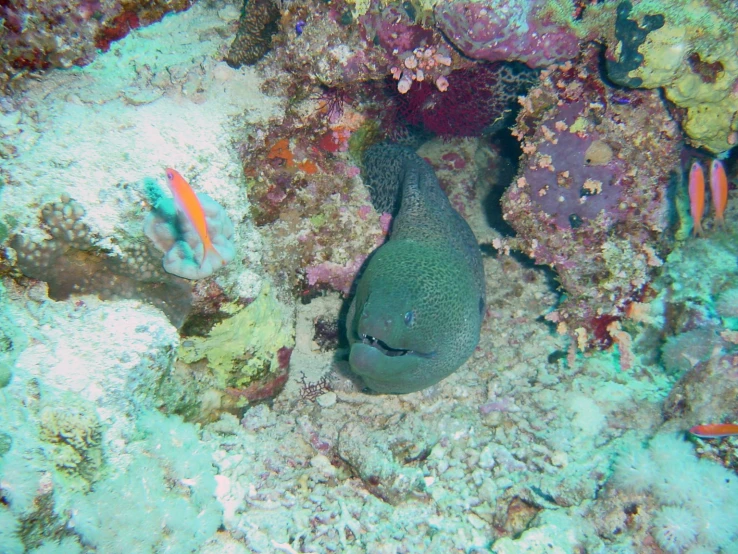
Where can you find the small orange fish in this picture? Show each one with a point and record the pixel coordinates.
(697, 196)
(189, 205)
(719, 188)
(714, 430)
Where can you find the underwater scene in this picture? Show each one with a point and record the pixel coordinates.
(369, 276)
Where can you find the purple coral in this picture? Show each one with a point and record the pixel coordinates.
(508, 30)
(590, 198)
(570, 187)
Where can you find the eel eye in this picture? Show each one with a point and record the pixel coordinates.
(410, 318)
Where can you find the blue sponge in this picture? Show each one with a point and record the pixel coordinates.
(172, 233)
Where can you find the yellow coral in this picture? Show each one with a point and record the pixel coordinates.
(245, 346)
(693, 58)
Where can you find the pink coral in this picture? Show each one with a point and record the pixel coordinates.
(507, 30)
(335, 276)
(476, 97)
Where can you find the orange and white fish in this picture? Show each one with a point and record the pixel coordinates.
(189, 205)
(719, 189)
(697, 196)
(714, 430)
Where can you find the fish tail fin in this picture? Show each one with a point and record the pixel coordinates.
(208, 249)
(698, 232)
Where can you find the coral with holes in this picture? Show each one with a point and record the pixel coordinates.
(590, 197)
(70, 261)
(53, 33)
(241, 358)
(688, 49)
(173, 233)
(537, 32)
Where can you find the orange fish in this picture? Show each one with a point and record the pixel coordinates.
(189, 205)
(719, 188)
(697, 196)
(714, 430)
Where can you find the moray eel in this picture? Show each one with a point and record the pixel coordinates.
(419, 302)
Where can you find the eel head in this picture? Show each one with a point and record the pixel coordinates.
(399, 324)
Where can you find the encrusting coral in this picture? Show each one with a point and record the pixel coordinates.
(590, 200)
(72, 433)
(687, 48)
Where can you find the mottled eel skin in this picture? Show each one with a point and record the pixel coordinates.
(420, 300)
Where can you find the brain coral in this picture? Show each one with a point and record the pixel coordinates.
(589, 199)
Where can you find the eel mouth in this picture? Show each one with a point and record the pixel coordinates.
(387, 350)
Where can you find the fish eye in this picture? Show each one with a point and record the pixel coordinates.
(170, 175)
(410, 318)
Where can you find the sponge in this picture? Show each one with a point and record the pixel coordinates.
(172, 233)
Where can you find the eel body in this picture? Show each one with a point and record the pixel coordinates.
(419, 302)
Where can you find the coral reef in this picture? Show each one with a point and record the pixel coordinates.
(72, 262)
(255, 30)
(52, 34)
(538, 32)
(479, 97)
(688, 49)
(590, 200)
(531, 446)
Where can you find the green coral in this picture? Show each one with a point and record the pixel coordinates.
(244, 347)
